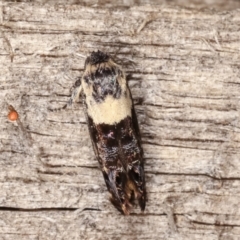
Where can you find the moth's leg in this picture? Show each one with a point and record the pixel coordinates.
(75, 96)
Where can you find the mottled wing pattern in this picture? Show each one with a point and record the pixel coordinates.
(114, 130)
(120, 158)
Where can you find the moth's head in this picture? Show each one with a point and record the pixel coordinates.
(102, 77)
(97, 58)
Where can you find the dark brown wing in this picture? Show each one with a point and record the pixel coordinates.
(106, 146)
(133, 156)
(119, 153)
(120, 157)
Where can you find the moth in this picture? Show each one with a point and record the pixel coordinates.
(114, 130)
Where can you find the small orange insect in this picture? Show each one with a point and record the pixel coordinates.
(12, 115)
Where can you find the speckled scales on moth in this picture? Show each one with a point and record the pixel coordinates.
(108, 109)
(114, 130)
(119, 155)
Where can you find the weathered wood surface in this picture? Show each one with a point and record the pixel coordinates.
(184, 74)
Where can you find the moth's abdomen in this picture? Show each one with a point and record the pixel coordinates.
(114, 130)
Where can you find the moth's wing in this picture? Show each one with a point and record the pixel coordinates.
(91, 127)
(116, 180)
(136, 168)
(136, 174)
(112, 169)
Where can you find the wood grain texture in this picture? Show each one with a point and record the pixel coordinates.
(183, 68)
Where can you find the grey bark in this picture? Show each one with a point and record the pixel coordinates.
(183, 66)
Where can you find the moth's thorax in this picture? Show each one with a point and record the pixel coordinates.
(106, 92)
